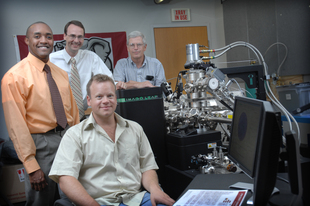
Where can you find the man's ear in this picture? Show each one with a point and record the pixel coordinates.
(26, 40)
(88, 100)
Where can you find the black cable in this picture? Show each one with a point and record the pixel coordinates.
(283, 179)
(226, 105)
(301, 109)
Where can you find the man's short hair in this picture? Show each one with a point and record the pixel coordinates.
(98, 78)
(38, 22)
(76, 23)
(136, 34)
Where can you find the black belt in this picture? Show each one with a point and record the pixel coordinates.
(57, 129)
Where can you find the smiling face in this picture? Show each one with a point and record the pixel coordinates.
(74, 39)
(40, 41)
(102, 99)
(136, 48)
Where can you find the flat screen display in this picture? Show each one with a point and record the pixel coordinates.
(244, 135)
(254, 144)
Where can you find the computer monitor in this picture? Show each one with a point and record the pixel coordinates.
(254, 144)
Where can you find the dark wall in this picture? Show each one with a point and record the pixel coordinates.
(265, 22)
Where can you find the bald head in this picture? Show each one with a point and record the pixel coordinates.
(38, 22)
(39, 38)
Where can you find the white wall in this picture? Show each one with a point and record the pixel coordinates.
(102, 16)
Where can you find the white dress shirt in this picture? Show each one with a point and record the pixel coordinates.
(88, 63)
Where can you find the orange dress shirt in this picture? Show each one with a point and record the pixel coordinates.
(28, 107)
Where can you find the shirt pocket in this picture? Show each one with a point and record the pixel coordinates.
(132, 153)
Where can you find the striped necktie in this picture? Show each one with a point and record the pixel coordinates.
(76, 87)
(56, 98)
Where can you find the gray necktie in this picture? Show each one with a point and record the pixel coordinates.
(76, 87)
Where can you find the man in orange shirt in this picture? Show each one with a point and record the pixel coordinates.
(30, 114)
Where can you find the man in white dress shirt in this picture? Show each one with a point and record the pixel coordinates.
(87, 63)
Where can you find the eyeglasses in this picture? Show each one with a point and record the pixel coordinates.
(72, 36)
(134, 45)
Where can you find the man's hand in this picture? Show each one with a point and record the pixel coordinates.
(121, 85)
(158, 196)
(133, 85)
(145, 84)
(137, 85)
(37, 180)
(150, 183)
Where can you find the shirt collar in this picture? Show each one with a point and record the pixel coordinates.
(37, 63)
(120, 120)
(67, 57)
(144, 61)
(90, 122)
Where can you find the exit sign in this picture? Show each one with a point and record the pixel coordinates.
(180, 15)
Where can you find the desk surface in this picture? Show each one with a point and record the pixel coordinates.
(223, 181)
